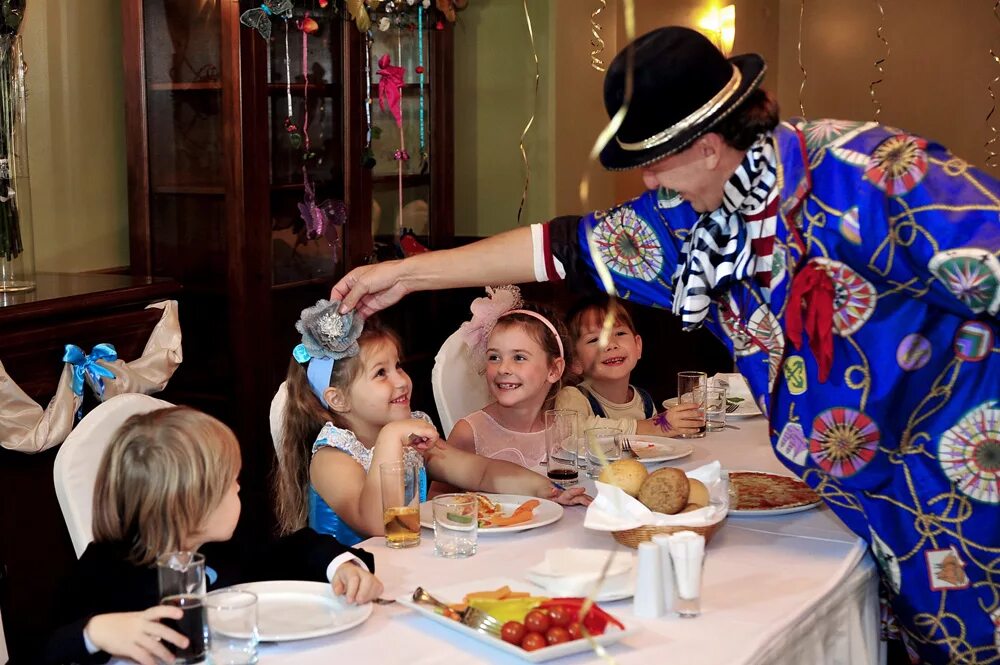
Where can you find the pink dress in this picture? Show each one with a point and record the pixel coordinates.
(495, 441)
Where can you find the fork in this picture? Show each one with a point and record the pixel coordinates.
(474, 618)
(732, 408)
(627, 447)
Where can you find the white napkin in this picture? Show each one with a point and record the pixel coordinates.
(574, 572)
(738, 386)
(614, 510)
(687, 551)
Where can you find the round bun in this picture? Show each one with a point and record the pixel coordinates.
(698, 493)
(628, 474)
(691, 506)
(665, 491)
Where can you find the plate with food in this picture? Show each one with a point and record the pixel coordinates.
(298, 610)
(535, 628)
(505, 513)
(759, 493)
(656, 449)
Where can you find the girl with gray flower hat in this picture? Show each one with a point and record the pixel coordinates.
(347, 411)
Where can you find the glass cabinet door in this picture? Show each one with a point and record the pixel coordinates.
(306, 142)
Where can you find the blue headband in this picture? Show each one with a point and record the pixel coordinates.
(318, 370)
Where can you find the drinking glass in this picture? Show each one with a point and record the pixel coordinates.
(400, 504)
(456, 525)
(715, 408)
(561, 430)
(181, 578)
(604, 445)
(691, 389)
(232, 623)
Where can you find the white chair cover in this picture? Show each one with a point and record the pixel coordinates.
(75, 468)
(277, 415)
(459, 389)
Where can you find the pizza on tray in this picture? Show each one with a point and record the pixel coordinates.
(755, 490)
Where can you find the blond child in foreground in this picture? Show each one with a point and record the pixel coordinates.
(605, 397)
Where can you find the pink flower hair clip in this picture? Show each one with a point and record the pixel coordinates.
(485, 311)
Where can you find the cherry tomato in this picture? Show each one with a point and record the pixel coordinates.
(575, 630)
(556, 635)
(560, 616)
(537, 621)
(513, 632)
(533, 641)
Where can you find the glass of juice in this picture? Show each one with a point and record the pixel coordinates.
(400, 504)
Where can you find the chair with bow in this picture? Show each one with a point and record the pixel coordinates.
(75, 468)
(276, 416)
(459, 388)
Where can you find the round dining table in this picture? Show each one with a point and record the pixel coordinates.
(793, 588)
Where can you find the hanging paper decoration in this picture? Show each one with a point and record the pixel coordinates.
(448, 7)
(409, 244)
(385, 15)
(531, 120)
(424, 162)
(357, 9)
(880, 61)
(259, 18)
(389, 87)
(802, 86)
(991, 154)
(323, 218)
(596, 41)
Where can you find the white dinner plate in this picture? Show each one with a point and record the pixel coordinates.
(662, 448)
(546, 513)
(296, 610)
(747, 407)
(455, 593)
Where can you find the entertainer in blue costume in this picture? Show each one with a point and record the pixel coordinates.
(852, 270)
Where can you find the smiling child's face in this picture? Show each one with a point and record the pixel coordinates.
(617, 360)
(517, 367)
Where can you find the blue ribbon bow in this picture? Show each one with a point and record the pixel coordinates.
(86, 366)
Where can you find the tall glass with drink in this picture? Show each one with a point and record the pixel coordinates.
(400, 504)
(604, 445)
(181, 578)
(692, 388)
(715, 408)
(561, 432)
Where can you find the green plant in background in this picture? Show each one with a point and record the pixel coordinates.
(12, 72)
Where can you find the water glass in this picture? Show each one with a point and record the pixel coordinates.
(232, 623)
(456, 525)
(400, 504)
(604, 445)
(715, 408)
(561, 446)
(692, 389)
(181, 577)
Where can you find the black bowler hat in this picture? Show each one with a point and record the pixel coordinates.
(683, 86)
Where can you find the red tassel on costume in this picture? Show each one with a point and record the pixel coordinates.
(812, 295)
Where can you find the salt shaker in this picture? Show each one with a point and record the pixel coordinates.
(666, 572)
(648, 602)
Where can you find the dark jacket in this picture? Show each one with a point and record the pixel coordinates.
(105, 581)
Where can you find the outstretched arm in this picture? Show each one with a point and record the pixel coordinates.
(502, 259)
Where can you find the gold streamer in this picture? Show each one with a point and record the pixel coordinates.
(880, 61)
(802, 86)
(531, 120)
(596, 41)
(991, 154)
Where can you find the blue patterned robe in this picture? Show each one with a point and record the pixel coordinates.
(903, 439)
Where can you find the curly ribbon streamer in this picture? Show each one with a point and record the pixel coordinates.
(531, 120)
(880, 61)
(368, 89)
(596, 41)
(802, 86)
(85, 365)
(991, 154)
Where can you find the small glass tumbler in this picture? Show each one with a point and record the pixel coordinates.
(456, 525)
(181, 577)
(691, 389)
(400, 504)
(715, 409)
(561, 431)
(232, 623)
(604, 445)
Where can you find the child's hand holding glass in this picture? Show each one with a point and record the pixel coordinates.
(138, 636)
(677, 419)
(356, 584)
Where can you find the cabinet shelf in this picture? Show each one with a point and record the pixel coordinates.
(298, 89)
(201, 190)
(409, 179)
(186, 86)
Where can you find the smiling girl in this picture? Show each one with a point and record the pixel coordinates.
(348, 411)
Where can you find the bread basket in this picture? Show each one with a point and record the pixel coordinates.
(632, 537)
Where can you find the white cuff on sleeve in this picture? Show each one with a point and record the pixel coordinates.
(339, 560)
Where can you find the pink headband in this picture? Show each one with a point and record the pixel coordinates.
(548, 324)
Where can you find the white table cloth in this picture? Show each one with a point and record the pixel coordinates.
(792, 589)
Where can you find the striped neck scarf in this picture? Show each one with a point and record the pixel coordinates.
(733, 241)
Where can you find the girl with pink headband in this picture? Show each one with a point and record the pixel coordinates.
(522, 353)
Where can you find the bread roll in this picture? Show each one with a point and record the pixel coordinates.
(691, 506)
(628, 474)
(665, 491)
(698, 493)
